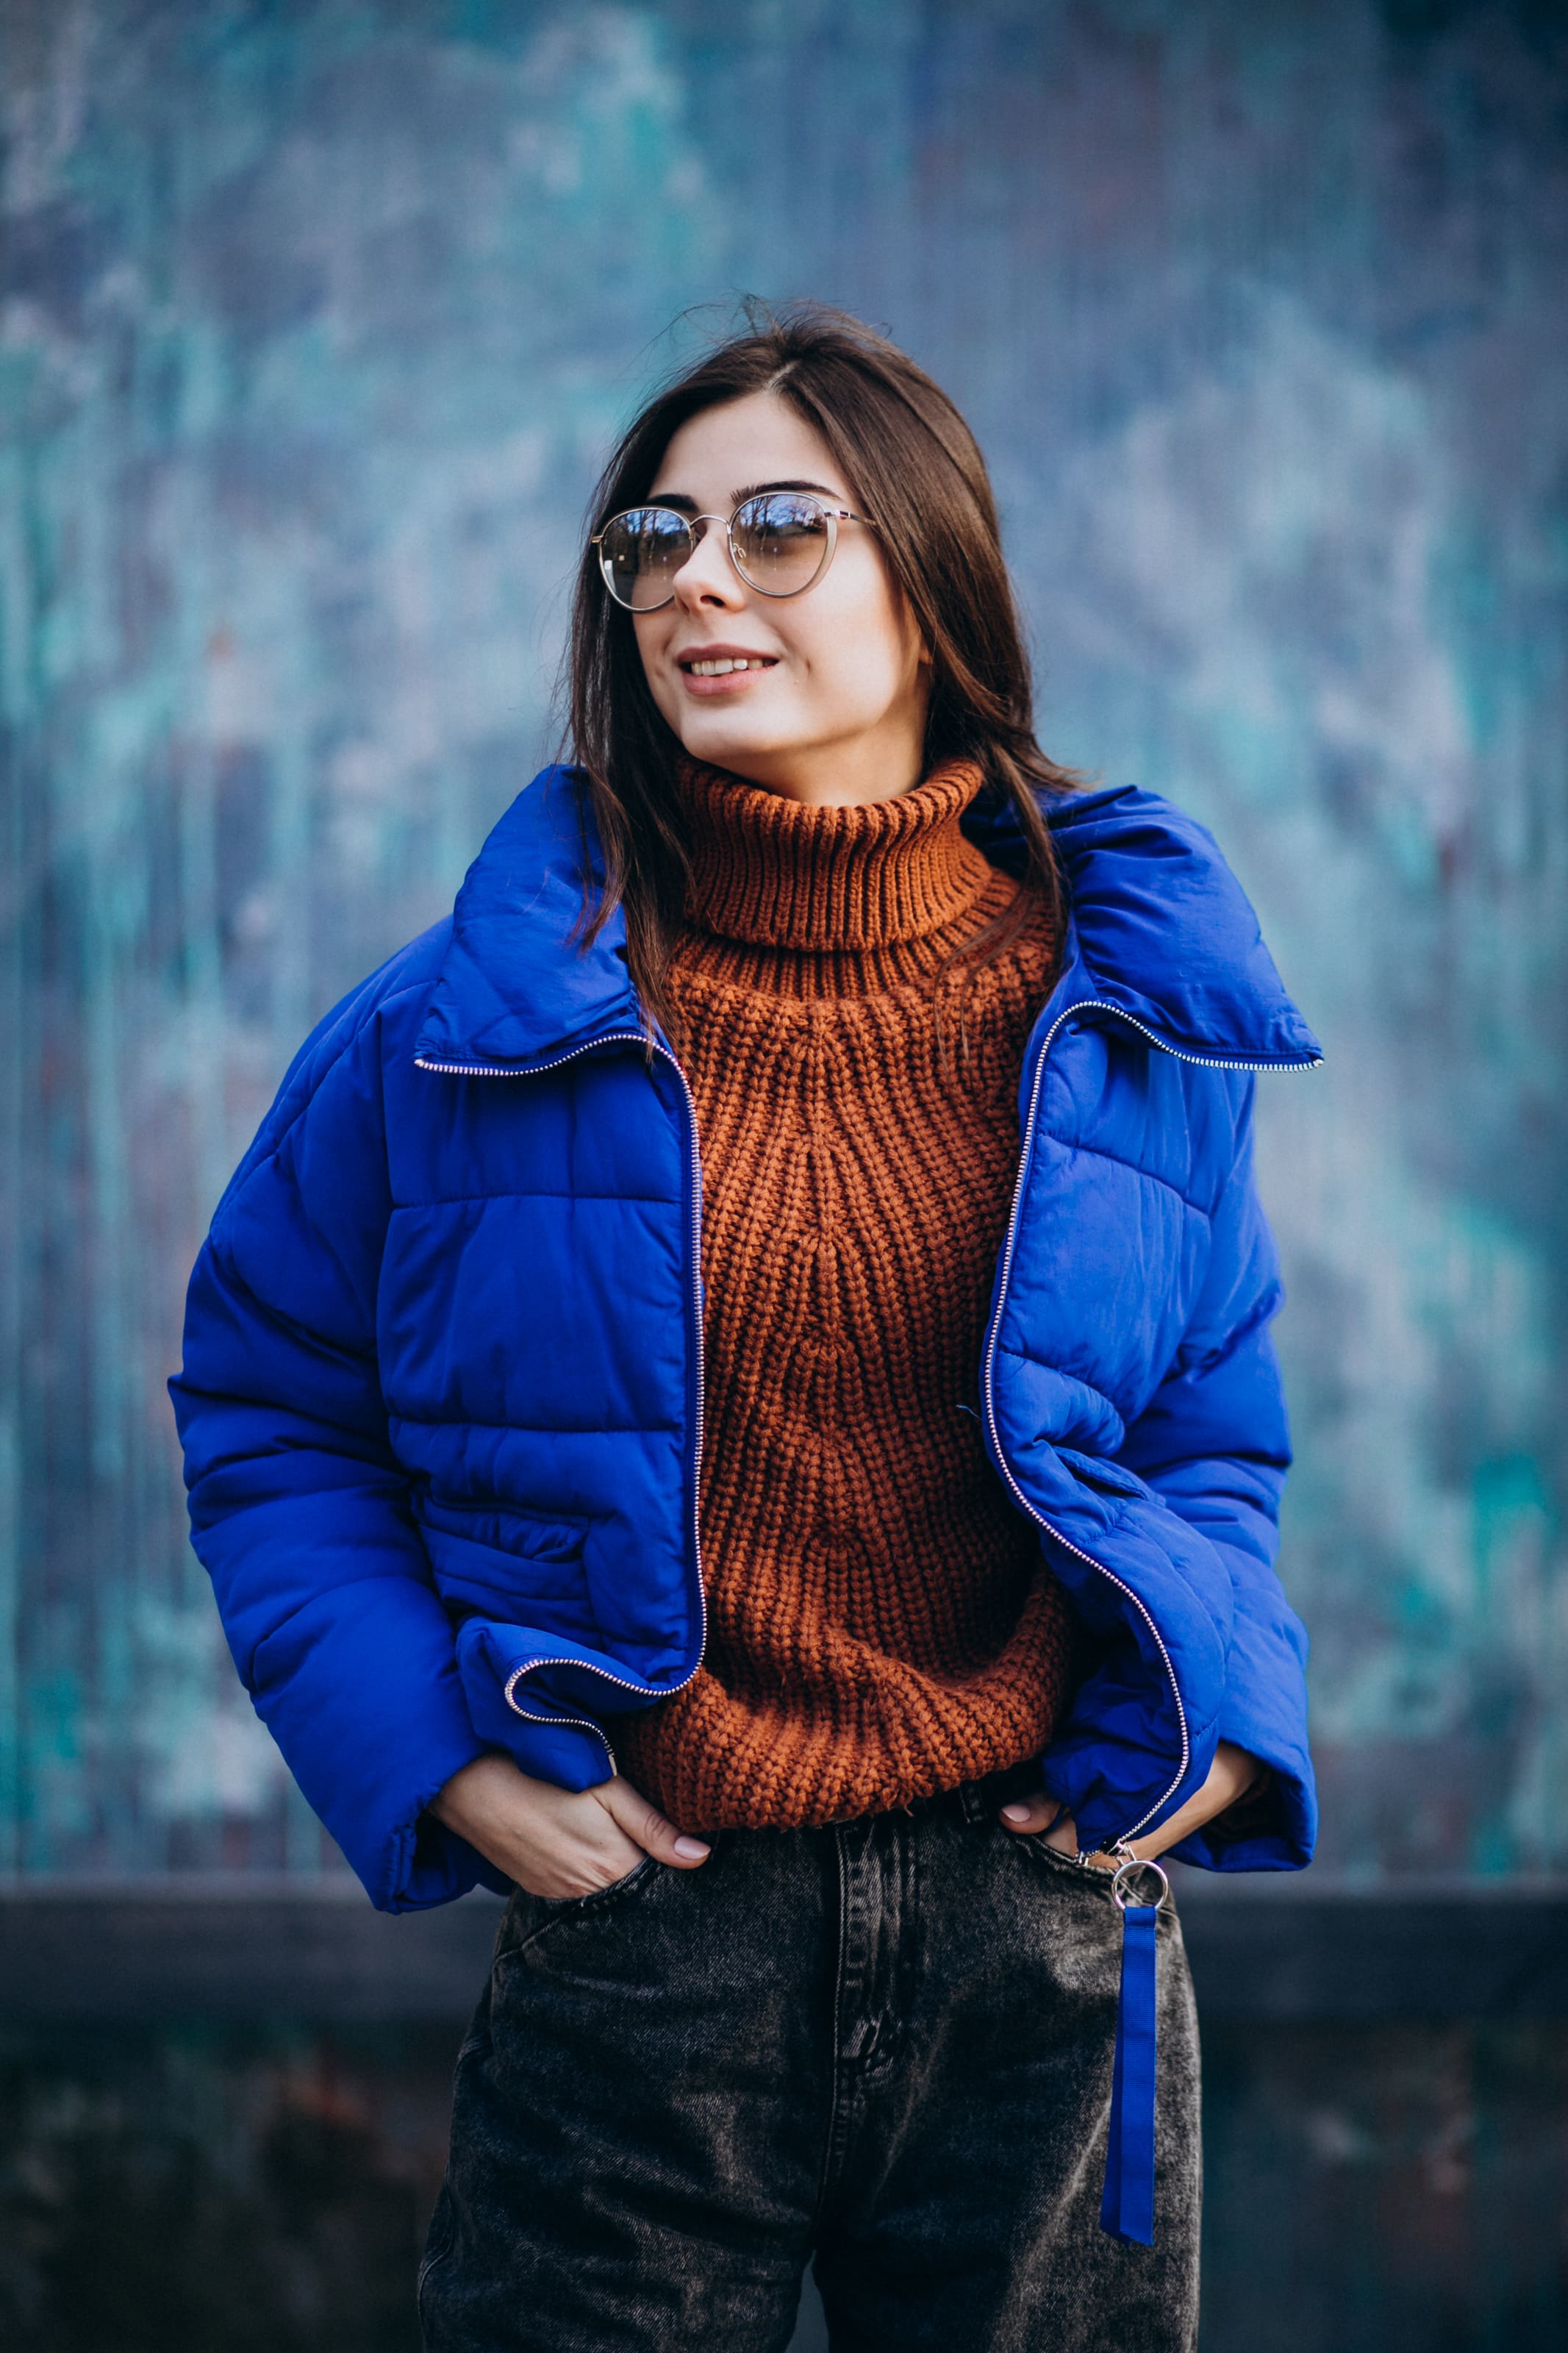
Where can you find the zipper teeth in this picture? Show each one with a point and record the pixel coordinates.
(699, 1424)
(531, 1070)
(1288, 1064)
(492, 1070)
(575, 1723)
(583, 1666)
(1207, 1061)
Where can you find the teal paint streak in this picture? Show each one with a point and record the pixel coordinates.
(316, 323)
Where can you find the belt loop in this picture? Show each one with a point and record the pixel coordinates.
(972, 1803)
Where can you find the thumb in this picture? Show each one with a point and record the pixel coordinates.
(1033, 1813)
(641, 1820)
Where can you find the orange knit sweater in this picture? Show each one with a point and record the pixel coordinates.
(881, 1621)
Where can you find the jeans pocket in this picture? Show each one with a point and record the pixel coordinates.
(1096, 1883)
(604, 1894)
(1086, 1876)
(539, 1913)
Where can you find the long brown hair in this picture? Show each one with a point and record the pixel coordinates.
(911, 458)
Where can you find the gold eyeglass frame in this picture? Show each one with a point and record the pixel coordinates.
(833, 516)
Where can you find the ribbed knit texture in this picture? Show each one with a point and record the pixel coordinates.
(880, 1622)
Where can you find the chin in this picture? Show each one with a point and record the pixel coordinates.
(722, 745)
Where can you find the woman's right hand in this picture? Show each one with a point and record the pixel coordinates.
(558, 1842)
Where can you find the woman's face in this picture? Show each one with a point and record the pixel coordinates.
(836, 713)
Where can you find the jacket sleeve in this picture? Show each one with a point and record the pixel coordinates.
(298, 1509)
(1214, 1443)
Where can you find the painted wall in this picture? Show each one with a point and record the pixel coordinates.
(316, 320)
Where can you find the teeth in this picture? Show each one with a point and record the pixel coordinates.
(722, 668)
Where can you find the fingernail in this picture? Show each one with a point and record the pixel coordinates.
(690, 1849)
(1015, 1813)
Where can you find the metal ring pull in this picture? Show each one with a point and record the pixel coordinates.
(1134, 1862)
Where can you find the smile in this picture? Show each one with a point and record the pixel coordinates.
(722, 668)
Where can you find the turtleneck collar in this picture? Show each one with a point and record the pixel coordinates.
(777, 874)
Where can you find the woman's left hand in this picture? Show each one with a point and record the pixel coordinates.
(1232, 1773)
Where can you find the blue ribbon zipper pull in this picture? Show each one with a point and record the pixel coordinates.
(1127, 2208)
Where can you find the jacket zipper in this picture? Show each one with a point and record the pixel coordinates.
(1206, 1061)
(535, 1070)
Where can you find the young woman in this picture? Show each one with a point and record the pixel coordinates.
(731, 1399)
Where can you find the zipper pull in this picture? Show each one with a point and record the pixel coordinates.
(1127, 2207)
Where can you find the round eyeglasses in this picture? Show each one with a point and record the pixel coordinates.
(780, 542)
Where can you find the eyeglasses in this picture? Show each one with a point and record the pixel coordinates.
(780, 542)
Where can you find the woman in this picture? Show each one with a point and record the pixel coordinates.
(820, 1127)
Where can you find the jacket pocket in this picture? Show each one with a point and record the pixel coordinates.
(529, 1572)
(505, 1528)
(1106, 1477)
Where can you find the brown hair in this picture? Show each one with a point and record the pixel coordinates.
(909, 455)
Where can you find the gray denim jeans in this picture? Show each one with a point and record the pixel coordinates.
(887, 2043)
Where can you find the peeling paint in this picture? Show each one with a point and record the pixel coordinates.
(314, 322)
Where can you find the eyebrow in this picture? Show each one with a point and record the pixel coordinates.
(680, 500)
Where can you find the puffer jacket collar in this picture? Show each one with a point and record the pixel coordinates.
(1163, 933)
(511, 991)
(1161, 929)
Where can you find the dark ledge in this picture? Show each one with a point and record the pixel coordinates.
(1273, 1947)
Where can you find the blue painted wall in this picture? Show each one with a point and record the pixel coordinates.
(316, 320)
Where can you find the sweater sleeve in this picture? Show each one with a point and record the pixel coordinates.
(298, 1509)
(1214, 1443)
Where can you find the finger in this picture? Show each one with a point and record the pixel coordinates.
(641, 1820)
(1035, 1812)
(576, 1869)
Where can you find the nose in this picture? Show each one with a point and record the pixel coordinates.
(707, 578)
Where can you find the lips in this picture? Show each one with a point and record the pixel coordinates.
(723, 660)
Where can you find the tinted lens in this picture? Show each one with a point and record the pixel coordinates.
(780, 542)
(641, 553)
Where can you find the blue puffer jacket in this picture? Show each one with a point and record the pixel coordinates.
(442, 1393)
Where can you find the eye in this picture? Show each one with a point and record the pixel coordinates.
(781, 539)
(639, 554)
